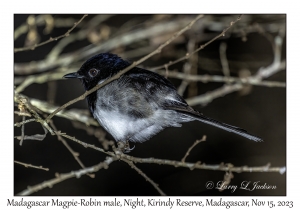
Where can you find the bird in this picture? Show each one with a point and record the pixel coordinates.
(140, 103)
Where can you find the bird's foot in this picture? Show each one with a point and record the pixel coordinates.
(125, 147)
(128, 149)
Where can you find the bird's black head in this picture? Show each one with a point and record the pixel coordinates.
(98, 68)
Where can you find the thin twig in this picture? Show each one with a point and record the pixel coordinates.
(38, 137)
(22, 114)
(22, 131)
(216, 78)
(99, 133)
(116, 76)
(21, 99)
(208, 97)
(155, 185)
(224, 61)
(51, 39)
(190, 149)
(40, 21)
(198, 165)
(61, 177)
(86, 145)
(198, 49)
(18, 124)
(72, 114)
(74, 154)
(187, 67)
(82, 34)
(51, 91)
(31, 166)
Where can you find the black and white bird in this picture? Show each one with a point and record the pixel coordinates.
(140, 103)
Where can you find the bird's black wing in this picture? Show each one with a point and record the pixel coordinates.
(162, 91)
(156, 87)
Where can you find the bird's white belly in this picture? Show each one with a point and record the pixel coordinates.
(120, 126)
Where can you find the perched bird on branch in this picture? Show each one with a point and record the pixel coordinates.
(140, 103)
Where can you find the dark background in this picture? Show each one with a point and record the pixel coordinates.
(262, 112)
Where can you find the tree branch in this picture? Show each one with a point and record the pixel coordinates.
(73, 153)
(61, 177)
(31, 166)
(216, 78)
(51, 39)
(132, 165)
(198, 165)
(72, 114)
(190, 149)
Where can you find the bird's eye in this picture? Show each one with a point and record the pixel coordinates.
(93, 72)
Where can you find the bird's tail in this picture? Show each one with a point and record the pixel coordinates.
(200, 117)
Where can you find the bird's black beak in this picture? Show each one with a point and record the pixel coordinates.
(73, 75)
